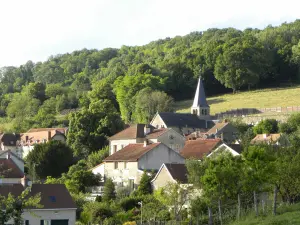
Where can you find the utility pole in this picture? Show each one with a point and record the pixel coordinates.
(141, 204)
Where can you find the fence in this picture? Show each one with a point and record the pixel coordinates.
(252, 111)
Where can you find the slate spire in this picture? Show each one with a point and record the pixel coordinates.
(200, 98)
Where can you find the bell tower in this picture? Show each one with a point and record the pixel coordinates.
(200, 106)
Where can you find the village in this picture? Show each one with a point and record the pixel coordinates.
(161, 147)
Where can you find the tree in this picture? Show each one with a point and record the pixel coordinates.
(15, 206)
(267, 126)
(109, 192)
(89, 128)
(95, 158)
(49, 159)
(149, 102)
(36, 90)
(174, 196)
(145, 187)
(77, 179)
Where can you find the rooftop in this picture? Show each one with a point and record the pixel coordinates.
(178, 172)
(198, 148)
(131, 152)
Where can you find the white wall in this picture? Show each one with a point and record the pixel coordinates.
(35, 216)
(121, 143)
(153, 159)
(177, 143)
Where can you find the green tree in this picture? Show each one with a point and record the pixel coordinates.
(89, 128)
(49, 159)
(95, 158)
(144, 187)
(36, 90)
(149, 102)
(267, 126)
(109, 192)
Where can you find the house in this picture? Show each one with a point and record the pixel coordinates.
(271, 139)
(41, 135)
(197, 149)
(58, 207)
(234, 149)
(125, 167)
(11, 168)
(138, 133)
(198, 120)
(224, 130)
(170, 173)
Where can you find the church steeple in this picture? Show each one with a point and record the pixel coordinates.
(200, 106)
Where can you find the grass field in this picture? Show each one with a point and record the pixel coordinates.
(288, 215)
(265, 98)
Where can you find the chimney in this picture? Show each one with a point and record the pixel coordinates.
(265, 136)
(49, 135)
(217, 130)
(26, 138)
(23, 182)
(145, 142)
(147, 129)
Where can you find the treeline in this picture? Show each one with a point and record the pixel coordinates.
(225, 58)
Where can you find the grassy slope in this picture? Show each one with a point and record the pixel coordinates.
(250, 99)
(288, 215)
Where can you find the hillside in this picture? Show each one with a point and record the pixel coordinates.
(249, 99)
(289, 215)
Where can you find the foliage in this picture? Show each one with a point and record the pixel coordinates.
(15, 206)
(49, 159)
(148, 102)
(109, 190)
(77, 179)
(89, 128)
(145, 187)
(95, 158)
(267, 126)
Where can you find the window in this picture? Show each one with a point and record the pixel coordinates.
(122, 146)
(202, 111)
(125, 165)
(131, 184)
(162, 126)
(26, 222)
(45, 222)
(114, 149)
(52, 198)
(116, 165)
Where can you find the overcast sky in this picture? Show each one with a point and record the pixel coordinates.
(36, 29)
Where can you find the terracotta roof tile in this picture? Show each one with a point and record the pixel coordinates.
(156, 133)
(131, 152)
(199, 147)
(261, 138)
(132, 132)
(41, 134)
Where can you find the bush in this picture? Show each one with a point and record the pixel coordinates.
(129, 203)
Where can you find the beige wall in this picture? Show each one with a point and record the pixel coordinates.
(121, 144)
(177, 143)
(153, 159)
(157, 122)
(122, 174)
(162, 179)
(35, 216)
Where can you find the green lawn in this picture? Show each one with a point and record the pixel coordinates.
(265, 98)
(288, 215)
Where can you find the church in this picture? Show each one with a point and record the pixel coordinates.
(198, 120)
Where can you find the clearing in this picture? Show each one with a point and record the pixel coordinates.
(266, 98)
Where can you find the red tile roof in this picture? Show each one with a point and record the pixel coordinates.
(39, 135)
(199, 147)
(132, 132)
(131, 152)
(156, 133)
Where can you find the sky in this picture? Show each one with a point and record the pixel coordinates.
(35, 29)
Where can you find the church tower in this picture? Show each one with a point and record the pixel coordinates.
(200, 106)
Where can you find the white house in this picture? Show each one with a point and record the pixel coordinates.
(125, 167)
(58, 207)
(41, 135)
(138, 133)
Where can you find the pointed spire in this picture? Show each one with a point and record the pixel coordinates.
(200, 98)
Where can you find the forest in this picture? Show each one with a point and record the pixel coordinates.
(135, 81)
